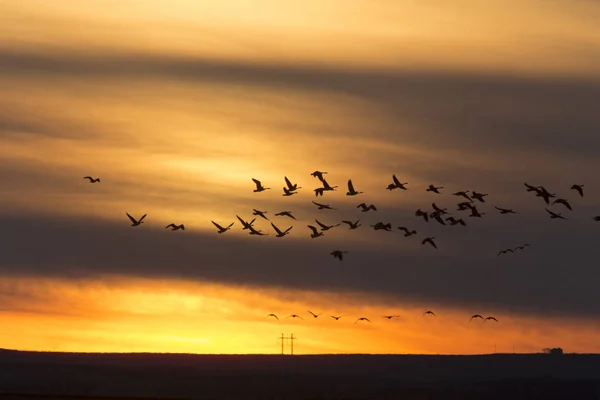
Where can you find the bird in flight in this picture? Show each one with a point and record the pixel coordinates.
(543, 193)
(256, 232)
(362, 319)
(273, 315)
(579, 188)
(328, 187)
(554, 215)
(294, 316)
(388, 317)
(246, 225)
(325, 227)
(351, 191)
(434, 189)
(597, 218)
(505, 252)
(465, 205)
(92, 180)
(463, 194)
(454, 221)
(563, 202)
(475, 213)
(314, 315)
(364, 207)
(259, 186)
(381, 226)
(319, 191)
(279, 232)
(220, 228)
(290, 187)
(285, 214)
(336, 317)
(438, 209)
(505, 210)
(352, 225)
(429, 240)
(407, 232)
(478, 196)
(136, 222)
(475, 316)
(437, 216)
(420, 213)
(323, 206)
(260, 213)
(318, 174)
(522, 247)
(339, 254)
(315, 233)
(287, 192)
(429, 312)
(175, 227)
(490, 319)
(531, 188)
(397, 184)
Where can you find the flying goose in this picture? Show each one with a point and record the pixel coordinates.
(382, 226)
(294, 316)
(318, 174)
(396, 184)
(364, 207)
(175, 227)
(563, 202)
(323, 206)
(352, 225)
(326, 186)
(259, 186)
(246, 225)
(531, 188)
(319, 191)
(522, 247)
(434, 189)
(505, 210)
(429, 312)
(429, 240)
(92, 180)
(315, 233)
(423, 214)
(388, 317)
(439, 210)
(325, 227)
(285, 214)
(463, 194)
(291, 188)
(454, 221)
(351, 191)
(314, 315)
(273, 315)
(362, 319)
(478, 196)
(407, 232)
(464, 206)
(543, 193)
(554, 215)
(135, 222)
(490, 319)
(339, 254)
(505, 252)
(475, 316)
(256, 232)
(279, 232)
(260, 213)
(475, 213)
(437, 216)
(287, 192)
(220, 228)
(336, 317)
(579, 188)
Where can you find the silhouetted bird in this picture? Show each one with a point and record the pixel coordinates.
(175, 227)
(434, 189)
(294, 316)
(478, 196)
(279, 232)
(504, 252)
(465, 206)
(291, 187)
(260, 213)
(423, 214)
(490, 319)
(505, 210)
(362, 319)
(531, 188)
(256, 232)
(381, 226)
(579, 188)
(339, 254)
(246, 225)
(365, 208)
(318, 174)
(259, 186)
(463, 194)
(555, 215)
(285, 214)
(388, 317)
(272, 315)
(407, 232)
(315, 233)
(136, 222)
(352, 225)
(319, 191)
(475, 316)
(328, 187)
(351, 191)
(92, 180)
(220, 228)
(397, 184)
(563, 202)
(323, 206)
(439, 210)
(429, 240)
(454, 221)
(336, 317)
(314, 315)
(475, 213)
(325, 227)
(287, 192)
(522, 247)
(436, 215)
(543, 193)
(429, 312)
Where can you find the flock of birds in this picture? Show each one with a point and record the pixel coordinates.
(468, 204)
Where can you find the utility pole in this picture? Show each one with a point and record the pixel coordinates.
(291, 338)
(282, 338)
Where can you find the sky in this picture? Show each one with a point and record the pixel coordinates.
(176, 107)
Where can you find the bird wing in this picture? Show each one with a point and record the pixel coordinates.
(318, 204)
(171, 225)
(276, 229)
(288, 229)
(350, 186)
(143, 216)
(215, 224)
(551, 213)
(313, 314)
(230, 225)
(88, 177)
(396, 181)
(288, 183)
(315, 231)
(320, 224)
(131, 218)
(257, 182)
(241, 220)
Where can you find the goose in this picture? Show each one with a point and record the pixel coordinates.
(454, 221)
(362, 319)
(522, 247)
(478, 196)
(279, 232)
(339, 254)
(423, 214)
(388, 317)
(246, 225)
(325, 227)
(563, 202)
(505, 210)
(256, 232)
(434, 189)
(490, 319)
(351, 191)
(336, 317)
(463, 194)
(579, 189)
(381, 226)
(92, 180)
(464, 206)
(323, 206)
(543, 193)
(287, 192)
(314, 315)
(326, 186)
(260, 213)
(475, 316)
(429, 240)
(398, 184)
(391, 187)
(429, 313)
(220, 228)
(531, 188)
(291, 188)
(505, 252)
(175, 227)
(475, 213)
(436, 215)
(136, 222)
(555, 215)
(352, 225)
(318, 174)
(273, 315)
(439, 210)
(407, 232)
(285, 214)
(319, 191)
(259, 186)
(364, 207)
(315, 233)
(294, 316)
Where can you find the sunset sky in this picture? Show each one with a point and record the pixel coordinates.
(177, 105)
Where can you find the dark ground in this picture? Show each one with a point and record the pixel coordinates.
(50, 376)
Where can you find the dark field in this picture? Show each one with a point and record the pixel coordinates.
(29, 375)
